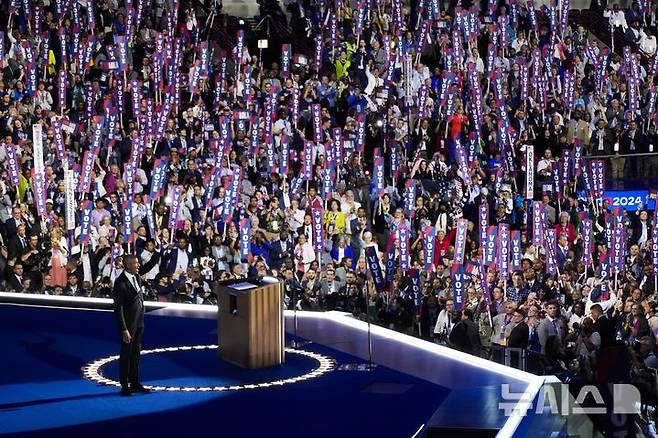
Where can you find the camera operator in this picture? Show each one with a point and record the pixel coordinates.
(643, 352)
(293, 289)
(645, 364)
(33, 262)
(587, 342)
(355, 294)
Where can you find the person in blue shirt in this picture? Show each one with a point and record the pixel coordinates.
(260, 246)
(327, 91)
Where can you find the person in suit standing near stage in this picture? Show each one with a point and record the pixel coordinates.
(129, 312)
(551, 327)
(465, 336)
(519, 334)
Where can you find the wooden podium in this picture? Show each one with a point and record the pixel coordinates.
(250, 320)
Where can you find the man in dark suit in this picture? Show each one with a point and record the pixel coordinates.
(306, 228)
(73, 288)
(641, 227)
(178, 258)
(160, 217)
(561, 250)
(166, 145)
(519, 336)
(600, 143)
(15, 279)
(281, 248)
(531, 282)
(17, 242)
(464, 335)
(603, 326)
(632, 142)
(195, 204)
(551, 327)
(11, 224)
(182, 142)
(129, 313)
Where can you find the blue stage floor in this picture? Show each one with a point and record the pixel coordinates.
(42, 392)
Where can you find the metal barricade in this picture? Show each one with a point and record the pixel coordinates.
(511, 357)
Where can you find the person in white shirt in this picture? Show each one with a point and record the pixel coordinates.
(577, 315)
(150, 254)
(106, 228)
(294, 215)
(304, 253)
(474, 57)
(444, 322)
(374, 80)
(594, 298)
(647, 43)
(418, 77)
(44, 99)
(616, 17)
(500, 61)
(545, 165)
(349, 206)
(139, 180)
(519, 42)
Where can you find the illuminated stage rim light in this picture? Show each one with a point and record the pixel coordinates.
(92, 371)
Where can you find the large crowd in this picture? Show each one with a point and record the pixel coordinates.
(435, 168)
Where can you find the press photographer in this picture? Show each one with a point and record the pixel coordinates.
(645, 366)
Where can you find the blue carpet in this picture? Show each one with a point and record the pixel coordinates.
(43, 394)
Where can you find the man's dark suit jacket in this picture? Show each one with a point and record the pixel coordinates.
(13, 284)
(606, 330)
(276, 253)
(128, 305)
(465, 337)
(93, 263)
(170, 259)
(14, 247)
(625, 143)
(519, 336)
(10, 227)
(607, 143)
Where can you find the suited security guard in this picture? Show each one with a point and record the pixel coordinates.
(129, 313)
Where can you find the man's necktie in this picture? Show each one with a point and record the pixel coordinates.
(137, 287)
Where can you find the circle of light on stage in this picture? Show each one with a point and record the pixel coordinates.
(324, 364)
